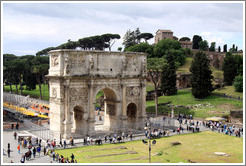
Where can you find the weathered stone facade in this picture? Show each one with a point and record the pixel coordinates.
(77, 76)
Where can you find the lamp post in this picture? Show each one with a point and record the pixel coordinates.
(148, 127)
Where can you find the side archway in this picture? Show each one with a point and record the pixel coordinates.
(131, 115)
(79, 120)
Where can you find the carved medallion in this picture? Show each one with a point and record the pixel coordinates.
(135, 90)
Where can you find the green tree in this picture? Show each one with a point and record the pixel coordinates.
(184, 39)
(145, 36)
(8, 70)
(40, 67)
(203, 45)
(142, 47)
(238, 83)
(196, 39)
(119, 48)
(201, 77)
(229, 68)
(164, 46)
(225, 48)
(169, 77)
(28, 75)
(110, 39)
(154, 67)
(85, 43)
(45, 51)
(239, 64)
(131, 38)
(219, 49)
(233, 49)
(212, 47)
(19, 69)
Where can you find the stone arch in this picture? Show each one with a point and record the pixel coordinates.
(132, 114)
(76, 76)
(110, 106)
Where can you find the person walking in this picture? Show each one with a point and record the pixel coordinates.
(8, 151)
(61, 143)
(130, 136)
(12, 126)
(18, 147)
(17, 126)
(64, 143)
(44, 151)
(34, 152)
(72, 156)
(39, 150)
(22, 159)
(15, 134)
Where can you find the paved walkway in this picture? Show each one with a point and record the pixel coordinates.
(14, 156)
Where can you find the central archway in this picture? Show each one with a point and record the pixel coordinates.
(109, 110)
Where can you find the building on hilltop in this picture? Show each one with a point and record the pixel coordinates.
(186, 44)
(163, 34)
(168, 34)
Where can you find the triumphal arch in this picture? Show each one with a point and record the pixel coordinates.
(75, 78)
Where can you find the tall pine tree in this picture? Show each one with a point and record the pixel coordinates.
(201, 78)
(229, 68)
(168, 79)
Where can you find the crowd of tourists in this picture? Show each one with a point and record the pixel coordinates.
(115, 138)
(223, 128)
(32, 147)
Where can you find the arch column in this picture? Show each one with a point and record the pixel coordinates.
(123, 117)
(91, 119)
(67, 123)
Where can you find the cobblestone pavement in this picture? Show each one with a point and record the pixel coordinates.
(14, 156)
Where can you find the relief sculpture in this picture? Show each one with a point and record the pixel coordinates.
(54, 60)
(79, 94)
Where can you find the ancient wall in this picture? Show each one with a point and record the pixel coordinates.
(216, 58)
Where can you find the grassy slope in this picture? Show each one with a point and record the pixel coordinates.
(201, 149)
(219, 105)
(229, 90)
(186, 67)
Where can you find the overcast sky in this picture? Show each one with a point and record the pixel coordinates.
(31, 27)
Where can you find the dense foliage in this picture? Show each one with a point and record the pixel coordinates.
(169, 77)
(26, 70)
(196, 39)
(201, 78)
(97, 42)
(232, 66)
(238, 83)
(184, 39)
